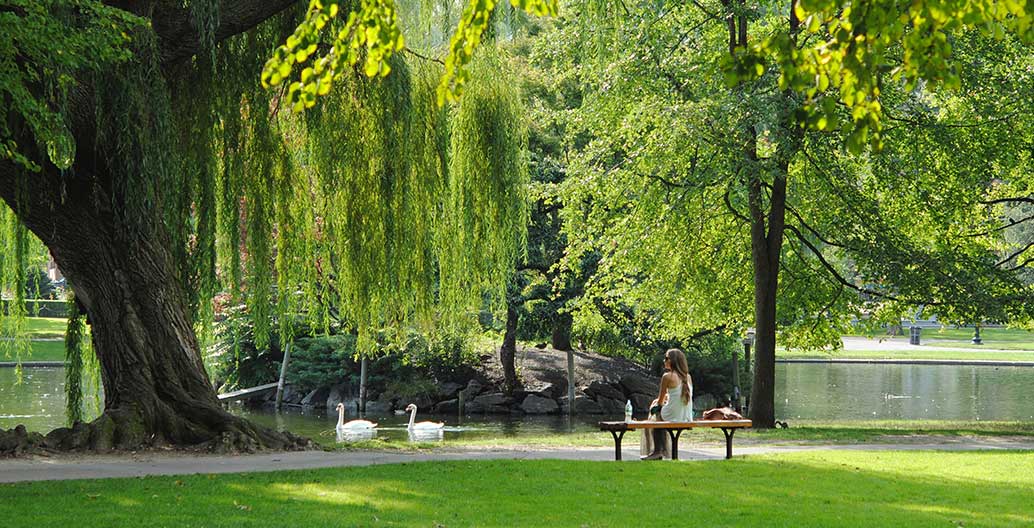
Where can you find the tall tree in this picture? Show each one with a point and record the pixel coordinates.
(722, 188)
(141, 149)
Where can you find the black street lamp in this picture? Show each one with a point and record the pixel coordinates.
(748, 341)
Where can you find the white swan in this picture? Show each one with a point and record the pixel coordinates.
(352, 426)
(422, 426)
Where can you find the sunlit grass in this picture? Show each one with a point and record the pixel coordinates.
(41, 351)
(1007, 338)
(51, 329)
(799, 432)
(818, 488)
(912, 353)
(961, 338)
(39, 327)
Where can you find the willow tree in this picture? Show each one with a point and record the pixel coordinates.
(140, 147)
(734, 164)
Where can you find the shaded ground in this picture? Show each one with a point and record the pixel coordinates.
(68, 467)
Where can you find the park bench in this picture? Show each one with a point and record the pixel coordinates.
(674, 430)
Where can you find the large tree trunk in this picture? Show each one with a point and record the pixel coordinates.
(766, 247)
(766, 243)
(156, 390)
(155, 386)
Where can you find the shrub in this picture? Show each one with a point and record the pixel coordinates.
(323, 361)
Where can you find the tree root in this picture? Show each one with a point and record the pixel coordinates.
(117, 431)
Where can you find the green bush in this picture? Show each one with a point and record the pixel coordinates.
(323, 361)
(710, 363)
(40, 307)
(407, 364)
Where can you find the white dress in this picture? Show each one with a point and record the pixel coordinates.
(674, 410)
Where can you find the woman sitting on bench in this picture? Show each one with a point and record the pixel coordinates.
(674, 403)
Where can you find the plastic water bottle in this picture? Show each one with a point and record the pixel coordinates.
(628, 411)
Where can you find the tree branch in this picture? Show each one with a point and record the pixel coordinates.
(1015, 254)
(840, 278)
(815, 232)
(1013, 199)
(1011, 223)
(729, 206)
(180, 39)
(410, 51)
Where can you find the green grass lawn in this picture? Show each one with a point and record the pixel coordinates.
(36, 329)
(40, 327)
(1007, 338)
(1004, 338)
(800, 432)
(40, 351)
(822, 488)
(916, 353)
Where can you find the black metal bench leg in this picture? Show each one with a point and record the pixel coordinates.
(728, 441)
(617, 443)
(674, 435)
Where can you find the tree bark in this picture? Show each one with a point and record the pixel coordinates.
(766, 242)
(508, 352)
(766, 246)
(156, 389)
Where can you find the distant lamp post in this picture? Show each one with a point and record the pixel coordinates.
(976, 335)
(748, 341)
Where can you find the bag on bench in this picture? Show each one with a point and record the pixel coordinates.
(721, 413)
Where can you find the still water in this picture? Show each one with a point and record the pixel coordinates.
(803, 391)
(838, 391)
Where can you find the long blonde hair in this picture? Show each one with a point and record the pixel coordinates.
(680, 367)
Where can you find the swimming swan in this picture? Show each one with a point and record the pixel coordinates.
(352, 426)
(422, 426)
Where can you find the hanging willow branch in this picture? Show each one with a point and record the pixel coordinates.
(74, 338)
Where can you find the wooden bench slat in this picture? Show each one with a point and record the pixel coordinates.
(634, 425)
(674, 430)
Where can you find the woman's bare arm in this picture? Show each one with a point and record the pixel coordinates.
(665, 383)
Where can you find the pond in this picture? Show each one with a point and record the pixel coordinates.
(803, 391)
(840, 391)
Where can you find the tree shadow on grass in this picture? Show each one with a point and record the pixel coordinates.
(856, 489)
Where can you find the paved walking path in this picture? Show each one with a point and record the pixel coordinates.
(94, 467)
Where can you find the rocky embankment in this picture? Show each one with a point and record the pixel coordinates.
(602, 386)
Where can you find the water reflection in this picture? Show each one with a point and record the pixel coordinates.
(429, 435)
(832, 391)
(803, 391)
(356, 435)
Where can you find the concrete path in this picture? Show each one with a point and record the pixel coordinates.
(139, 465)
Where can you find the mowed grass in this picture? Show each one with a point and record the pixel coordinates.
(819, 488)
(800, 432)
(46, 335)
(38, 351)
(912, 353)
(961, 338)
(811, 432)
(1007, 338)
(1012, 344)
(39, 327)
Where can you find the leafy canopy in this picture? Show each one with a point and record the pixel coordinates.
(857, 47)
(371, 34)
(44, 46)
